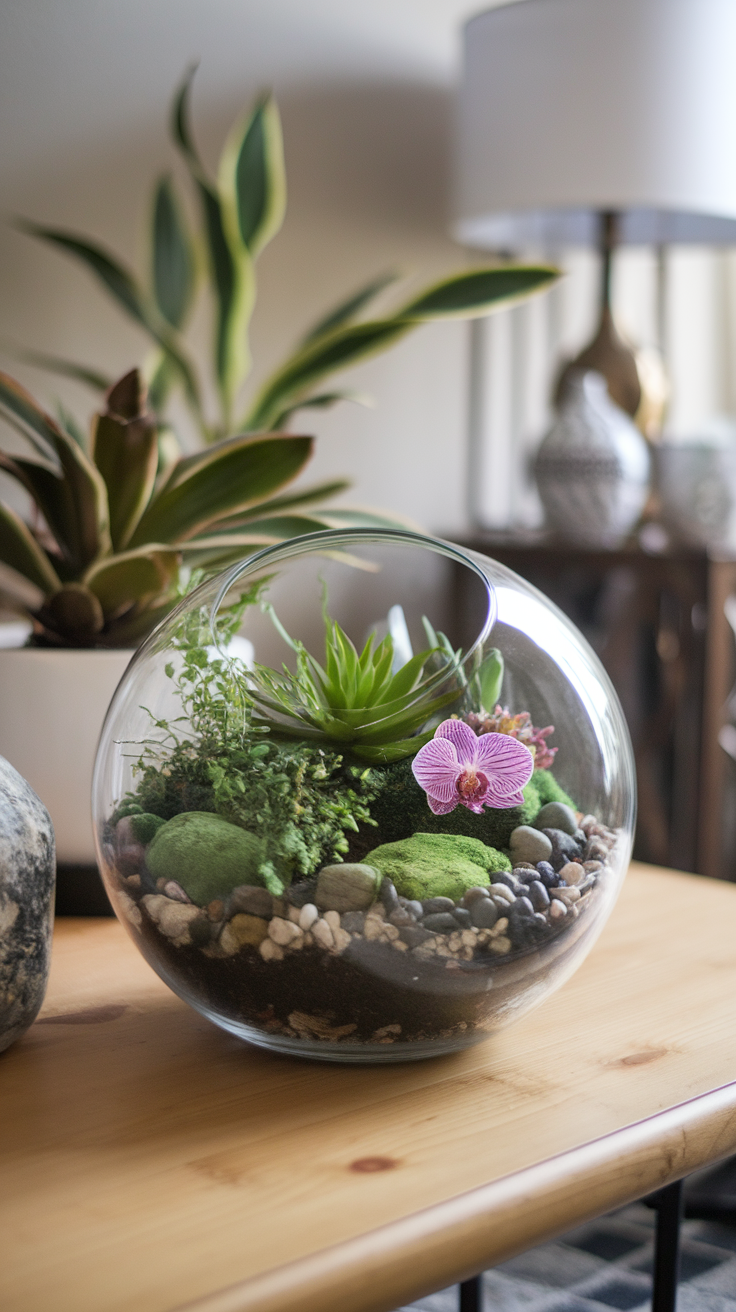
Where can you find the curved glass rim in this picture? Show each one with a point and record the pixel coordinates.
(309, 543)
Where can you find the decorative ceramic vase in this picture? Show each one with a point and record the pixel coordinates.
(592, 469)
(52, 705)
(696, 482)
(27, 869)
(340, 849)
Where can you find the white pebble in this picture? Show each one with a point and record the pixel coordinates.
(342, 939)
(308, 915)
(322, 934)
(283, 932)
(271, 951)
(333, 919)
(500, 890)
(557, 909)
(294, 915)
(500, 945)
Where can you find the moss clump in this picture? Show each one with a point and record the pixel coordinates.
(145, 826)
(549, 790)
(401, 808)
(437, 865)
(208, 856)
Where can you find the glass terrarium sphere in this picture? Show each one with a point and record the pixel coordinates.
(364, 797)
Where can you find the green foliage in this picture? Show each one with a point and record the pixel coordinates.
(301, 801)
(356, 699)
(115, 527)
(240, 211)
(437, 865)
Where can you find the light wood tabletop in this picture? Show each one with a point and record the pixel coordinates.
(149, 1161)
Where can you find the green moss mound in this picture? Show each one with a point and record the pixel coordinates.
(401, 809)
(208, 856)
(438, 865)
(549, 790)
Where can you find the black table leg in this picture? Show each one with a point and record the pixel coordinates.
(667, 1248)
(471, 1295)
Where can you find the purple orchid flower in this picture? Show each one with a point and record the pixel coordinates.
(457, 766)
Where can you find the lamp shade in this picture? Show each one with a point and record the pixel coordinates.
(573, 107)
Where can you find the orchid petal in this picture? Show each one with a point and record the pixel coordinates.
(506, 761)
(442, 808)
(500, 801)
(462, 737)
(436, 769)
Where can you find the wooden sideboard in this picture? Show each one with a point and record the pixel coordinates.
(657, 622)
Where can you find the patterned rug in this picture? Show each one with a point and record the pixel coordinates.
(607, 1264)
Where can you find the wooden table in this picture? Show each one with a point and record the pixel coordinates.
(150, 1161)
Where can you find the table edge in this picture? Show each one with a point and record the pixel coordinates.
(453, 1240)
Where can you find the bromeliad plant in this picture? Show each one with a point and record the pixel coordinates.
(115, 522)
(241, 210)
(357, 700)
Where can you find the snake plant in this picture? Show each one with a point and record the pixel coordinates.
(118, 525)
(240, 210)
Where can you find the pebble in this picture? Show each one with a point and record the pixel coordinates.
(502, 877)
(130, 909)
(215, 910)
(346, 887)
(271, 951)
(592, 866)
(484, 913)
(433, 905)
(523, 905)
(283, 932)
(293, 915)
(462, 917)
(374, 927)
(416, 908)
(502, 891)
(252, 900)
(173, 918)
(522, 870)
(572, 873)
(388, 895)
(333, 920)
(556, 815)
(528, 844)
(342, 939)
(413, 935)
(473, 895)
(546, 873)
(301, 893)
(567, 895)
(595, 850)
(175, 891)
(352, 921)
(500, 945)
(402, 916)
(557, 909)
(307, 916)
(248, 929)
(563, 847)
(538, 895)
(441, 922)
(323, 935)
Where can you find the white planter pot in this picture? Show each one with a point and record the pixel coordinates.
(52, 704)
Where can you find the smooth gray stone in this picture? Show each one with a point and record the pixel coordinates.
(528, 844)
(27, 878)
(556, 815)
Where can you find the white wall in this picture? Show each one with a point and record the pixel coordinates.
(365, 92)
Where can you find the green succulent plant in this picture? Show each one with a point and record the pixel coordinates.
(117, 521)
(241, 210)
(357, 700)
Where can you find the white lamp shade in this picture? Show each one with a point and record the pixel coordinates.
(573, 107)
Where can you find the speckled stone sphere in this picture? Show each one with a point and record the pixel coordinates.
(27, 875)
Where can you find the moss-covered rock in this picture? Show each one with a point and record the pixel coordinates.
(144, 826)
(438, 865)
(208, 856)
